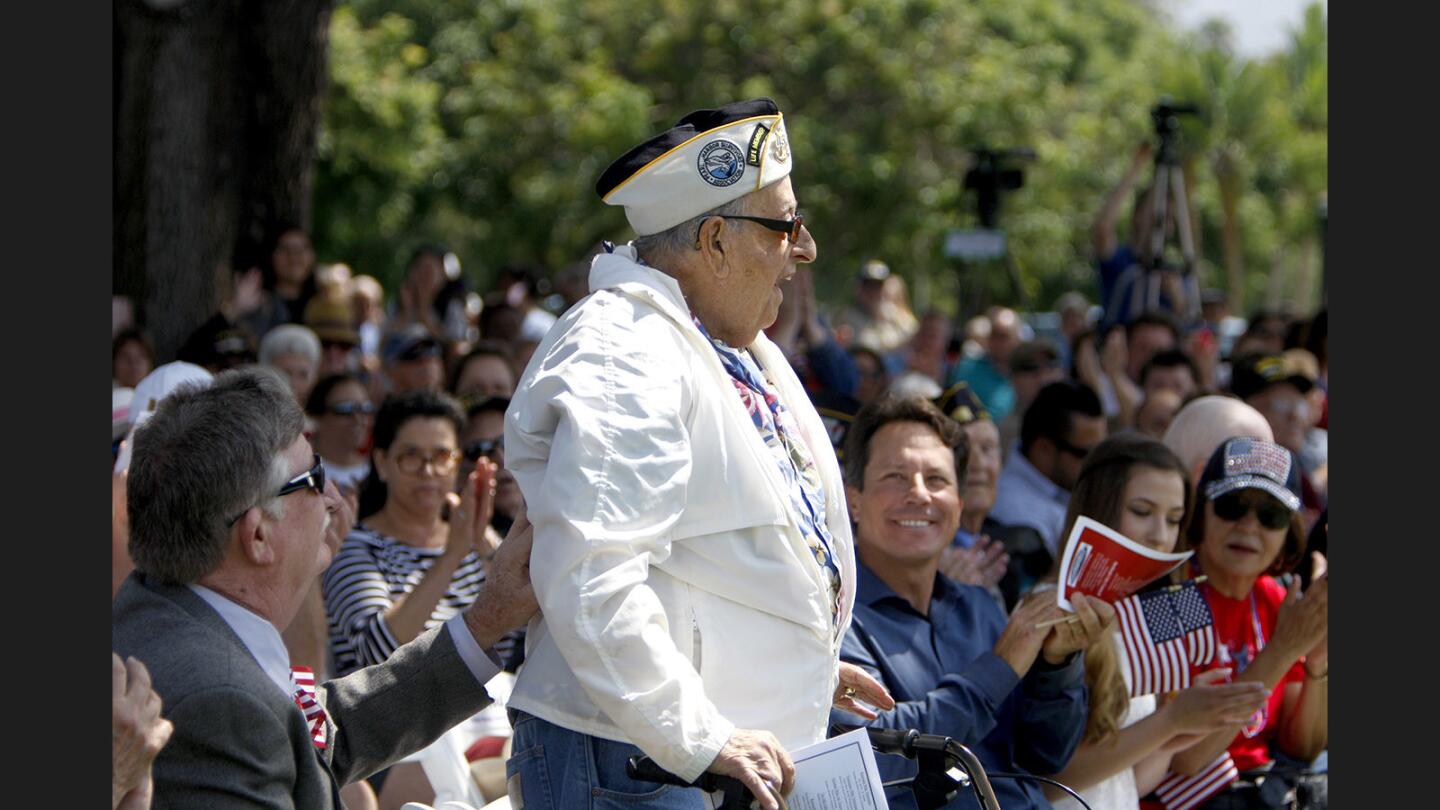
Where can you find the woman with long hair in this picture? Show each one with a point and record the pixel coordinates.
(1136, 486)
(1248, 533)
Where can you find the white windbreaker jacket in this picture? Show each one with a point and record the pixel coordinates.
(678, 599)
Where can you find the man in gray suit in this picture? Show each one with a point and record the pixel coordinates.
(229, 513)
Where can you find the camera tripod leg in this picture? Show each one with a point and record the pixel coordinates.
(1189, 307)
(1159, 213)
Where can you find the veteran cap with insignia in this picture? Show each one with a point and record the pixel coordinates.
(960, 403)
(707, 159)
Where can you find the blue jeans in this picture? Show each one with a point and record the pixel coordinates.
(561, 769)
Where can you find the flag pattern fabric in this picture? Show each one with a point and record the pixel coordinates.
(1166, 633)
(1178, 792)
(304, 680)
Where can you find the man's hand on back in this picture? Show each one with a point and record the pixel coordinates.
(506, 600)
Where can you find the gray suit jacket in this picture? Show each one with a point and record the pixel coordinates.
(240, 742)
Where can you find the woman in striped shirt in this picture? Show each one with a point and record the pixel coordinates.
(405, 568)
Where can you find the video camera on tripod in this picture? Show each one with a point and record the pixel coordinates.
(1169, 203)
(1166, 115)
(993, 173)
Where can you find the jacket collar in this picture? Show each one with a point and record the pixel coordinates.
(622, 269)
(183, 597)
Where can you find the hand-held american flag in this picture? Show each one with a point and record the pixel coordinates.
(1165, 632)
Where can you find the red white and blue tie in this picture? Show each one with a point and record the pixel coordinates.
(304, 680)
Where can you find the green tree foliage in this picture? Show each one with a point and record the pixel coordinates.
(485, 125)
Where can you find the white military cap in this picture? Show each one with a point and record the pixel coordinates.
(707, 159)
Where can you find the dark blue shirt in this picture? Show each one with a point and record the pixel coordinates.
(945, 680)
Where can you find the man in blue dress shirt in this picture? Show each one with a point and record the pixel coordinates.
(1014, 693)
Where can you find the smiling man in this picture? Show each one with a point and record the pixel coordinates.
(1012, 691)
(693, 558)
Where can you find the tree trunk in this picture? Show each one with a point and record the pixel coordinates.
(216, 105)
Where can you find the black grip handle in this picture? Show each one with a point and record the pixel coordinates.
(645, 769)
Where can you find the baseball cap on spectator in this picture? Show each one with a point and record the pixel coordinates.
(158, 384)
(1248, 463)
(1034, 355)
(960, 403)
(332, 319)
(413, 343)
(1303, 361)
(219, 344)
(874, 270)
(1252, 374)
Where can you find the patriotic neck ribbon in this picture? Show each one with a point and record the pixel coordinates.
(773, 420)
(1241, 656)
(1165, 633)
(304, 680)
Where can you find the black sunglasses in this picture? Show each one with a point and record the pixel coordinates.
(1066, 447)
(1233, 506)
(312, 479)
(789, 227)
(352, 408)
(483, 447)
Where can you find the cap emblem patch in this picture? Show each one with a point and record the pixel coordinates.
(721, 163)
(779, 146)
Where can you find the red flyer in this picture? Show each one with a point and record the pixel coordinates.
(1105, 564)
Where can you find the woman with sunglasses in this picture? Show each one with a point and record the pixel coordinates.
(1138, 487)
(340, 409)
(1248, 533)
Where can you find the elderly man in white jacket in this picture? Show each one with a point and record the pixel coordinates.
(693, 557)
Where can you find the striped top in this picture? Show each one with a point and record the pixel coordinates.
(367, 575)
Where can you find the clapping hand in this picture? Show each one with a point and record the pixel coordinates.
(471, 511)
(983, 564)
(1303, 623)
(1211, 704)
(137, 732)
